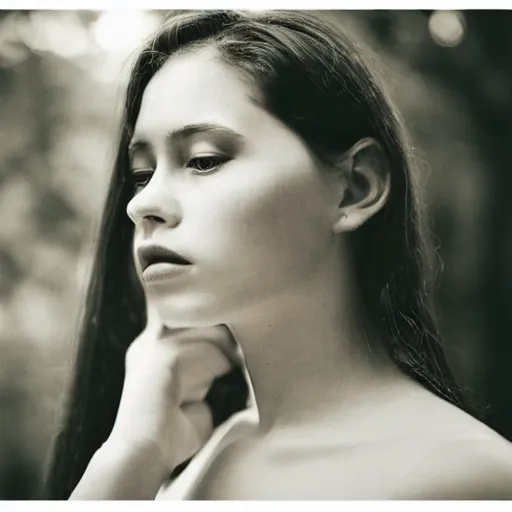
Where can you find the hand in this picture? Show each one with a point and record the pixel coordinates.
(169, 372)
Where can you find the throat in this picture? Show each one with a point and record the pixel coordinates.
(305, 367)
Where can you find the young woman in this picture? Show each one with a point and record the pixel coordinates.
(262, 230)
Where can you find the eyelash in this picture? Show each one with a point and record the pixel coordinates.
(142, 177)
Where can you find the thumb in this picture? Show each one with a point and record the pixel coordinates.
(154, 323)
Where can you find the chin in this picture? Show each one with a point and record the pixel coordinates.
(187, 311)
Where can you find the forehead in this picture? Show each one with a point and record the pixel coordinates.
(195, 87)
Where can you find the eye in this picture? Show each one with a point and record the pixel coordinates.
(141, 179)
(207, 164)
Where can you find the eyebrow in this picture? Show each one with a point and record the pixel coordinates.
(180, 135)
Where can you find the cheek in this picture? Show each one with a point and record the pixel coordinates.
(267, 227)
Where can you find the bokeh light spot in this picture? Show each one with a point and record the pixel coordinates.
(59, 33)
(123, 31)
(447, 27)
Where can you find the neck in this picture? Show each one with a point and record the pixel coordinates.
(306, 356)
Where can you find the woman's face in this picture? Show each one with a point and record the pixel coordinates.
(234, 191)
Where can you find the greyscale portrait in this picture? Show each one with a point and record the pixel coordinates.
(255, 255)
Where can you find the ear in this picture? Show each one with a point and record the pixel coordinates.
(362, 183)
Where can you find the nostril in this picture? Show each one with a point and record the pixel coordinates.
(155, 218)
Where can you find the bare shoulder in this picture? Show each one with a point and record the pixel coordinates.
(460, 458)
(418, 448)
(467, 469)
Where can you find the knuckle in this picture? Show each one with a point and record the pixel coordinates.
(174, 361)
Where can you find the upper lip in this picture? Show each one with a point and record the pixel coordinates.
(150, 254)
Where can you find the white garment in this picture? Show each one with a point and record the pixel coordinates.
(183, 486)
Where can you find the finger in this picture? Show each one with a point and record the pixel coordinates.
(200, 420)
(200, 364)
(218, 335)
(154, 323)
(230, 347)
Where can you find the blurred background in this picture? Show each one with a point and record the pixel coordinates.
(62, 75)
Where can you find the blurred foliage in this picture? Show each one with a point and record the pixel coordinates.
(61, 77)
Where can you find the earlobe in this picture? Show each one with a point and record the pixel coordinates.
(367, 182)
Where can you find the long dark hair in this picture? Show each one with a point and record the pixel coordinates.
(312, 78)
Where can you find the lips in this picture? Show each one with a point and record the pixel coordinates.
(152, 254)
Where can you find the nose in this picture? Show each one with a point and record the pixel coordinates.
(154, 205)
